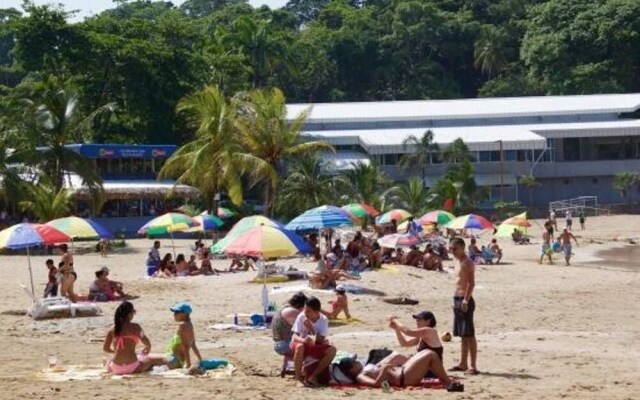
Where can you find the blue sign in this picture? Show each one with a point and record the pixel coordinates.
(123, 151)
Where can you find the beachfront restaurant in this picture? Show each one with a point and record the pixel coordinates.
(133, 193)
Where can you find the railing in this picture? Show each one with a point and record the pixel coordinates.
(587, 204)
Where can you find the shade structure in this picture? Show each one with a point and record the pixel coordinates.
(267, 242)
(470, 221)
(320, 218)
(206, 223)
(518, 220)
(360, 210)
(167, 223)
(506, 230)
(399, 240)
(399, 215)
(23, 236)
(80, 228)
(244, 224)
(439, 217)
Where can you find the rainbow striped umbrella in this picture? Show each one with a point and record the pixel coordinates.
(267, 242)
(80, 228)
(360, 210)
(167, 223)
(241, 226)
(398, 214)
(470, 221)
(320, 218)
(439, 217)
(23, 236)
(206, 223)
(399, 240)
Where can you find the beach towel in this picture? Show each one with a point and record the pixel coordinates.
(97, 372)
(344, 321)
(349, 288)
(431, 383)
(233, 327)
(389, 269)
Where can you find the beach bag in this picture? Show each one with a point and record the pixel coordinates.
(377, 355)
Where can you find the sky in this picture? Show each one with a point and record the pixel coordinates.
(91, 7)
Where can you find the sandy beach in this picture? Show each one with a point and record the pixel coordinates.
(544, 332)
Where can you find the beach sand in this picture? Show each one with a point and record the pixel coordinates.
(544, 332)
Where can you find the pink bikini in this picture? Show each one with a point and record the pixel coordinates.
(130, 368)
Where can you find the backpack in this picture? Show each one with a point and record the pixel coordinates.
(377, 355)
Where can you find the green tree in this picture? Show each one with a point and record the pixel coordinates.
(46, 202)
(530, 182)
(267, 135)
(368, 184)
(489, 57)
(456, 152)
(623, 181)
(422, 150)
(459, 185)
(213, 161)
(411, 196)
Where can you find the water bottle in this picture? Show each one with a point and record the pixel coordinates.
(235, 319)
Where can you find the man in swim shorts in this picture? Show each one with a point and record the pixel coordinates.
(546, 242)
(565, 239)
(464, 307)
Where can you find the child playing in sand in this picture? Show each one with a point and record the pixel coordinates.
(338, 305)
(181, 344)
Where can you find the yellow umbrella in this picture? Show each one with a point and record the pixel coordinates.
(518, 220)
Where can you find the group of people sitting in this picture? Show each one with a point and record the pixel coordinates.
(168, 268)
(301, 329)
(122, 339)
(429, 259)
(491, 254)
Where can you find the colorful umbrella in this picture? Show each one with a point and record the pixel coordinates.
(360, 210)
(80, 228)
(398, 214)
(319, 218)
(206, 223)
(399, 240)
(267, 242)
(23, 236)
(505, 230)
(244, 224)
(403, 227)
(470, 221)
(439, 217)
(167, 223)
(225, 213)
(518, 220)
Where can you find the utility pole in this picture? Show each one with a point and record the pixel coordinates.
(501, 171)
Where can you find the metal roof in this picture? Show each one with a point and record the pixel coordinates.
(504, 107)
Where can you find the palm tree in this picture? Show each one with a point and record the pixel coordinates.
(411, 196)
(46, 202)
(213, 161)
(456, 152)
(53, 119)
(421, 154)
(368, 184)
(489, 57)
(307, 186)
(267, 135)
(459, 185)
(622, 182)
(530, 182)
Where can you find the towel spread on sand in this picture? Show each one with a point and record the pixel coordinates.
(353, 289)
(234, 327)
(92, 373)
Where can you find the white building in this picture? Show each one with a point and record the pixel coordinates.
(573, 145)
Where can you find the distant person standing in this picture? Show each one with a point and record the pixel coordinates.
(547, 234)
(153, 258)
(581, 217)
(565, 239)
(413, 228)
(552, 218)
(569, 219)
(463, 308)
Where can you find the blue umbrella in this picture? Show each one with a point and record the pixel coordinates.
(319, 218)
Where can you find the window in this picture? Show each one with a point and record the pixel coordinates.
(594, 181)
(510, 155)
(390, 159)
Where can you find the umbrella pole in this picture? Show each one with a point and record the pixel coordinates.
(173, 246)
(30, 272)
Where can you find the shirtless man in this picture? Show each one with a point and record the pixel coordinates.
(546, 242)
(431, 261)
(69, 276)
(565, 239)
(496, 250)
(464, 307)
(413, 257)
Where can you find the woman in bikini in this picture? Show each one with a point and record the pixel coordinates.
(122, 340)
(182, 267)
(181, 344)
(69, 276)
(164, 268)
(399, 371)
(424, 336)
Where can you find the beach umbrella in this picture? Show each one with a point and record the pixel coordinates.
(80, 228)
(24, 236)
(398, 214)
(518, 220)
(505, 230)
(360, 210)
(244, 224)
(225, 213)
(439, 217)
(267, 242)
(399, 240)
(470, 221)
(425, 227)
(320, 218)
(168, 223)
(206, 223)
